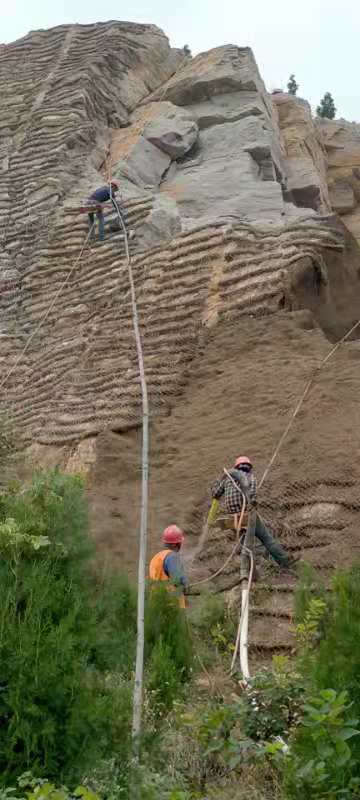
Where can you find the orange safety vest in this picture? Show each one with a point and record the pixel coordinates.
(157, 573)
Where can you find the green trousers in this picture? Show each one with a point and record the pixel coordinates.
(272, 545)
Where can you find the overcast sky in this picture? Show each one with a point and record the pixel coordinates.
(318, 40)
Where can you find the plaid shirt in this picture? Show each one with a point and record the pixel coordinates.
(232, 500)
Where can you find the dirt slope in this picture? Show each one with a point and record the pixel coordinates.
(241, 388)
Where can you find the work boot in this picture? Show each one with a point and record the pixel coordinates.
(291, 566)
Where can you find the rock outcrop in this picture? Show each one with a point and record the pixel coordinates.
(217, 233)
(342, 144)
(306, 157)
(242, 269)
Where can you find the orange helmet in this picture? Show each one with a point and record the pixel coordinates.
(242, 461)
(173, 535)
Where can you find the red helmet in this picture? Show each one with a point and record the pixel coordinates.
(173, 535)
(242, 461)
(114, 185)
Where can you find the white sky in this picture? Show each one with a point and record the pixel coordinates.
(318, 40)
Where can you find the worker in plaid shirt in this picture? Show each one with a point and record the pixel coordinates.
(231, 490)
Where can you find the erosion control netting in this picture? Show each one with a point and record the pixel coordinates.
(311, 493)
(310, 496)
(231, 363)
(79, 375)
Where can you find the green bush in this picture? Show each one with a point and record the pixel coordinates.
(319, 763)
(59, 709)
(116, 625)
(214, 625)
(168, 647)
(209, 611)
(337, 658)
(322, 759)
(272, 701)
(308, 588)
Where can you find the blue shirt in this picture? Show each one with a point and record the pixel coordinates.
(101, 195)
(173, 568)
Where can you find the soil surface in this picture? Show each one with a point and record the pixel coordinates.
(241, 390)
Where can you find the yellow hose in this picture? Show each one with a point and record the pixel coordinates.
(213, 513)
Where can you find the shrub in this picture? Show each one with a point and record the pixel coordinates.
(59, 710)
(272, 702)
(213, 621)
(307, 588)
(114, 648)
(323, 756)
(168, 646)
(337, 658)
(30, 788)
(319, 762)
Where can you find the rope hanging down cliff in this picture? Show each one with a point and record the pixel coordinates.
(46, 314)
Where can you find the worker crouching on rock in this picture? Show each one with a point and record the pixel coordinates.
(167, 565)
(230, 491)
(102, 195)
(97, 198)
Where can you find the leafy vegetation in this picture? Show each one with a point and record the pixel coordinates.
(327, 108)
(298, 722)
(58, 709)
(67, 641)
(292, 86)
(67, 649)
(168, 647)
(320, 761)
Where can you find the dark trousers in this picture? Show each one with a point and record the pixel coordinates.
(101, 224)
(273, 547)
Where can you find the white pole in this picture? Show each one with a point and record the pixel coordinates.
(244, 662)
(140, 639)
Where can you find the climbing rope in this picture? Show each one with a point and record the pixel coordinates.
(298, 406)
(304, 394)
(47, 312)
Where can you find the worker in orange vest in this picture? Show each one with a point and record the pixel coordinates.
(167, 565)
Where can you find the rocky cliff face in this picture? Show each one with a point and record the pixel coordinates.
(342, 145)
(232, 194)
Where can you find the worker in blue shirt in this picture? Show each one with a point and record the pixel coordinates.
(102, 195)
(167, 566)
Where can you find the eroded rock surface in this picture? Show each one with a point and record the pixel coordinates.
(241, 271)
(208, 177)
(342, 143)
(306, 157)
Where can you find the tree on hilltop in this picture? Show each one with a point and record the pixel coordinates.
(327, 107)
(292, 86)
